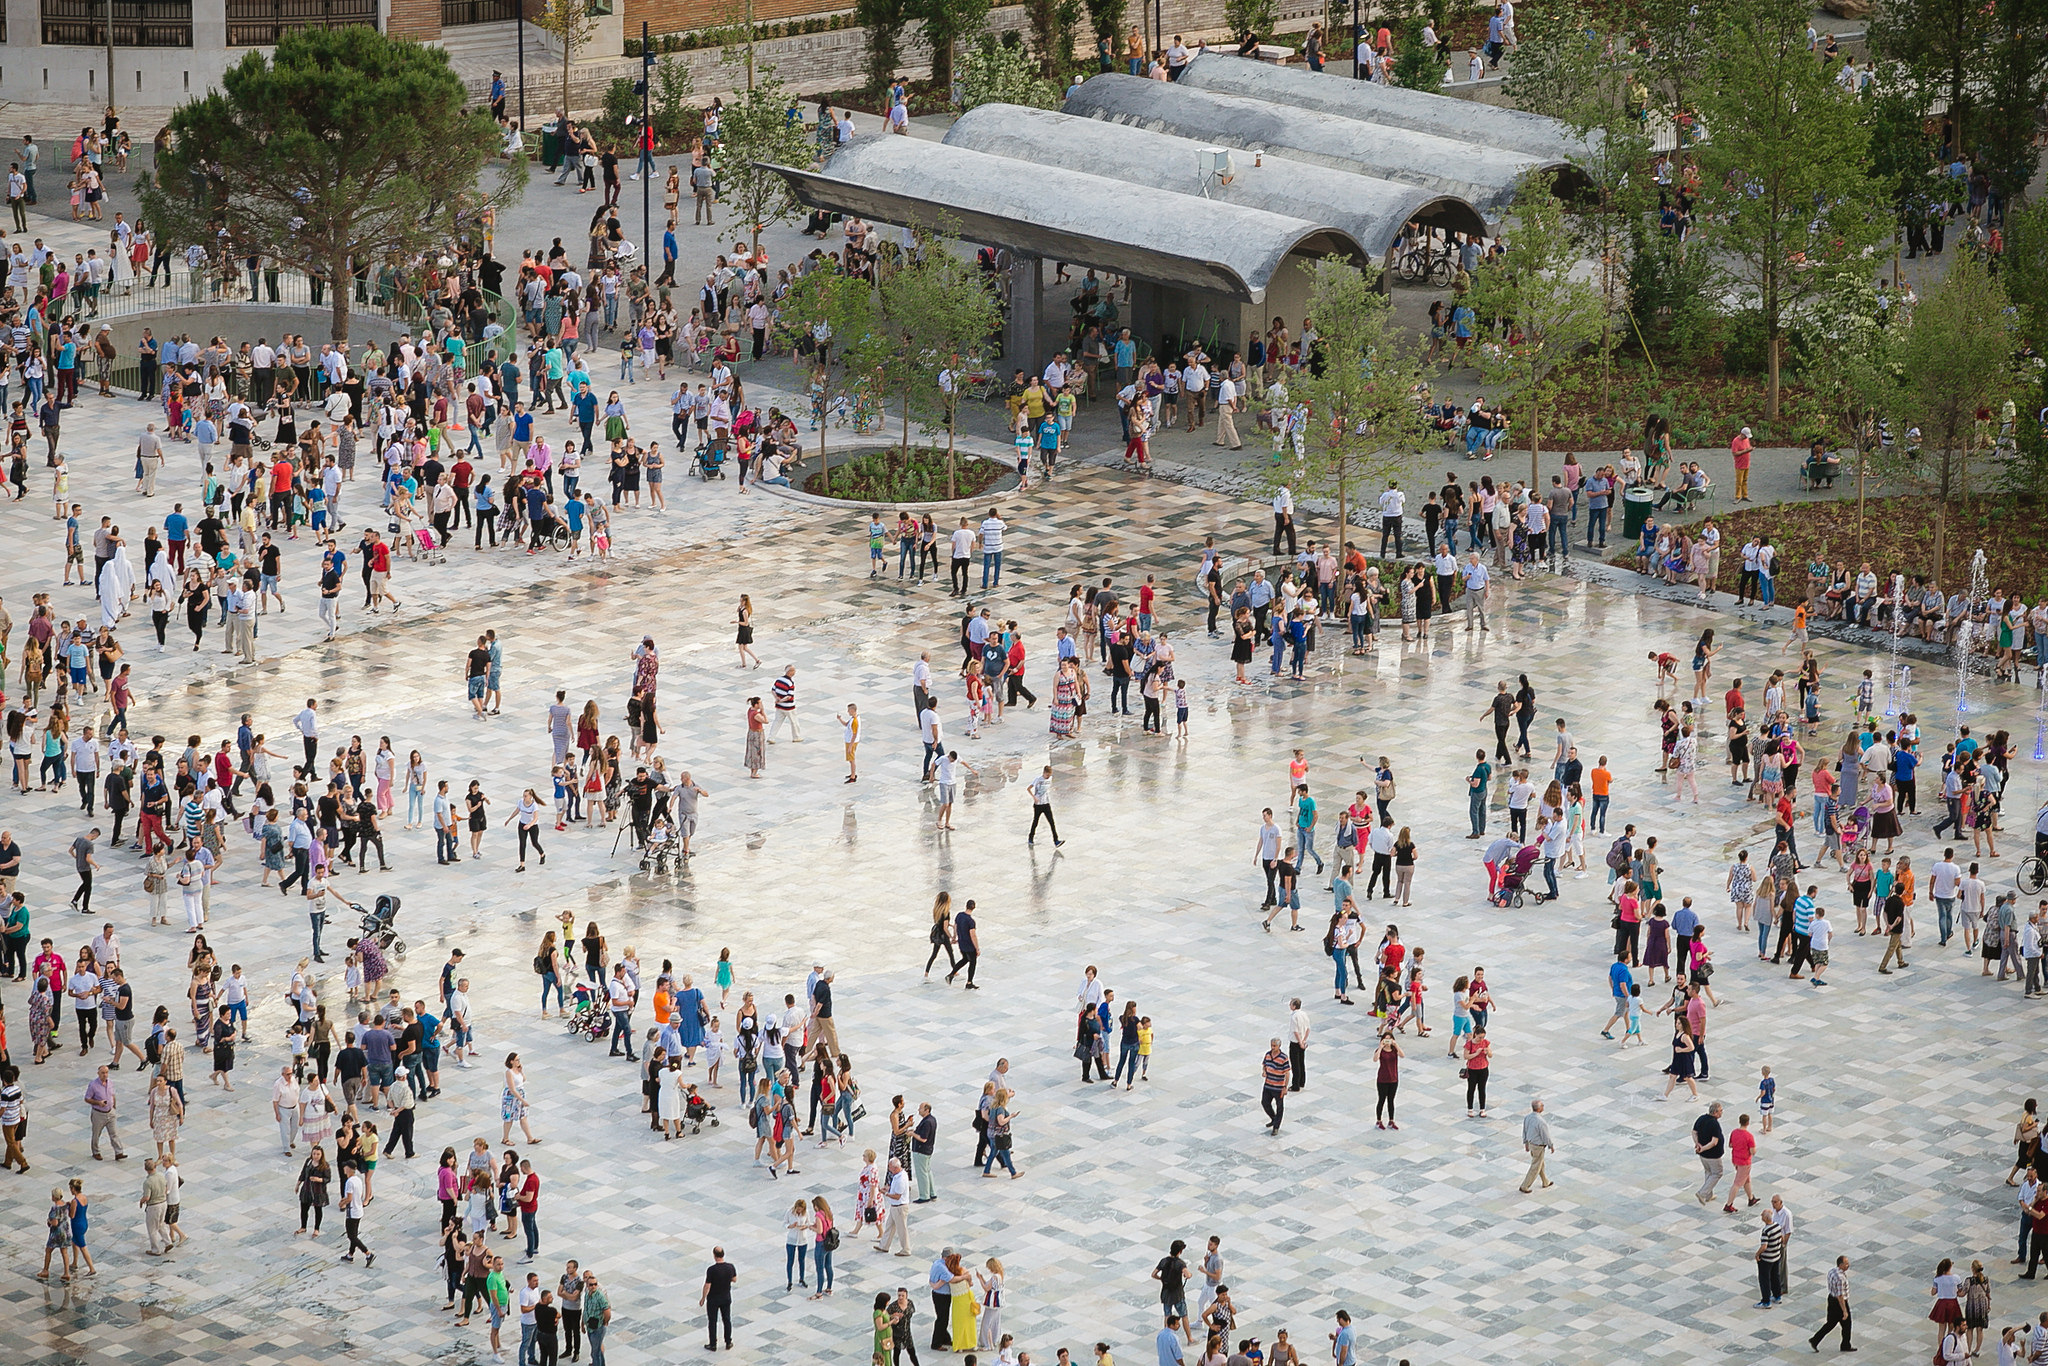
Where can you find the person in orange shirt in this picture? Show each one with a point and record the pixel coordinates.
(1602, 781)
(1798, 636)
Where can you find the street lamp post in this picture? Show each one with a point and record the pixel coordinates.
(644, 155)
(522, 66)
(1357, 40)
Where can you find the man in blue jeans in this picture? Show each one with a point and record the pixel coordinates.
(1476, 783)
(1599, 489)
(621, 991)
(597, 1316)
(992, 550)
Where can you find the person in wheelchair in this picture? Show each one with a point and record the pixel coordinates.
(545, 524)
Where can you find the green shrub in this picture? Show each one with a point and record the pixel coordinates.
(887, 476)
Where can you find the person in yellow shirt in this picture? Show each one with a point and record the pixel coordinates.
(1145, 1048)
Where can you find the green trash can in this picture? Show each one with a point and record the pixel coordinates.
(1635, 510)
(551, 144)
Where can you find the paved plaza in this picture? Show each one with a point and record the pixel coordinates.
(1895, 1098)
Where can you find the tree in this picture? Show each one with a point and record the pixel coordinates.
(571, 24)
(2024, 273)
(1938, 41)
(1562, 70)
(2016, 84)
(1549, 316)
(340, 148)
(758, 133)
(1955, 358)
(1250, 16)
(1052, 24)
(1786, 167)
(996, 71)
(671, 110)
(942, 308)
(1361, 392)
(883, 20)
(838, 310)
(1106, 20)
(944, 25)
(1846, 358)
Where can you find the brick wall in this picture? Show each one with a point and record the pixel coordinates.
(679, 16)
(419, 20)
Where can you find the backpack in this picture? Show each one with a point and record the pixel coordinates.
(1618, 854)
(540, 965)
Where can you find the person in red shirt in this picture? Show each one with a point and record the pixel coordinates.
(1732, 699)
(1740, 448)
(280, 491)
(1146, 592)
(460, 477)
(529, 1207)
(380, 574)
(1742, 1152)
(1013, 669)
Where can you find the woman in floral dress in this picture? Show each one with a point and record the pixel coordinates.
(1066, 691)
(166, 1113)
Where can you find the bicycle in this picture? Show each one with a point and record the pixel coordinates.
(1426, 265)
(2033, 875)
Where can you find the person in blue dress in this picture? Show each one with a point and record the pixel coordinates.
(689, 1020)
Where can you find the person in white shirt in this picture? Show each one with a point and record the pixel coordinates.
(307, 723)
(1942, 881)
(352, 1202)
(1476, 581)
(1226, 414)
(1297, 1045)
(1392, 503)
(991, 551)
(1283, 519)
(1194, 385)
(962, 544)
(1090, 994)
(896, 1210)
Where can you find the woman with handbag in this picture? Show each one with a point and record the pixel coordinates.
(826, 1242)
(314, 1178)
(690, 1014)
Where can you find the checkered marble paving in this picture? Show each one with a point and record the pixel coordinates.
(1895, 1097)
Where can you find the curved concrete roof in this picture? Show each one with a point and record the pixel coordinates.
(1485, 177)
(1370, 209)
(1510, 130)
(1064, 215)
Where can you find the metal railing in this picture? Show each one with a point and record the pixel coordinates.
(137, 23)
(260, 23)
(461, 13)
(370, 297)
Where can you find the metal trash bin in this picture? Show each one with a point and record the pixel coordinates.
(1635, 510)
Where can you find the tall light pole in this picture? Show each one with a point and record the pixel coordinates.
(522, 66)
(643, 155)
(110, 54)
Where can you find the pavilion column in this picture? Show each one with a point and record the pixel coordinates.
(1020, 336)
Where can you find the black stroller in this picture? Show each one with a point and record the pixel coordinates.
(377, 925)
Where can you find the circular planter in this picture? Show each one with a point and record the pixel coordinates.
(1005, 484)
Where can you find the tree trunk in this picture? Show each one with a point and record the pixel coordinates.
(824, 421)
(1771, 389)
(1862, 469)
(1343, 514)
(1940, 536)
(952, 468)
(568, 54)
(340, 281)
(942, 66)
(1535, 447)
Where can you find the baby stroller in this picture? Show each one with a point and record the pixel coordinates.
(658, 855)
(710, 463)
(1514, 877)
(697, 1110)
(430, 546)
(587, 1015)
(376, 925)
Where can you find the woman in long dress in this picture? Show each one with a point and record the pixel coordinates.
(512, 1105)
(670, 1099)
(689, 1017)
(965, 1307)
(1066, 691)
(991, 1333)
(757, 728)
